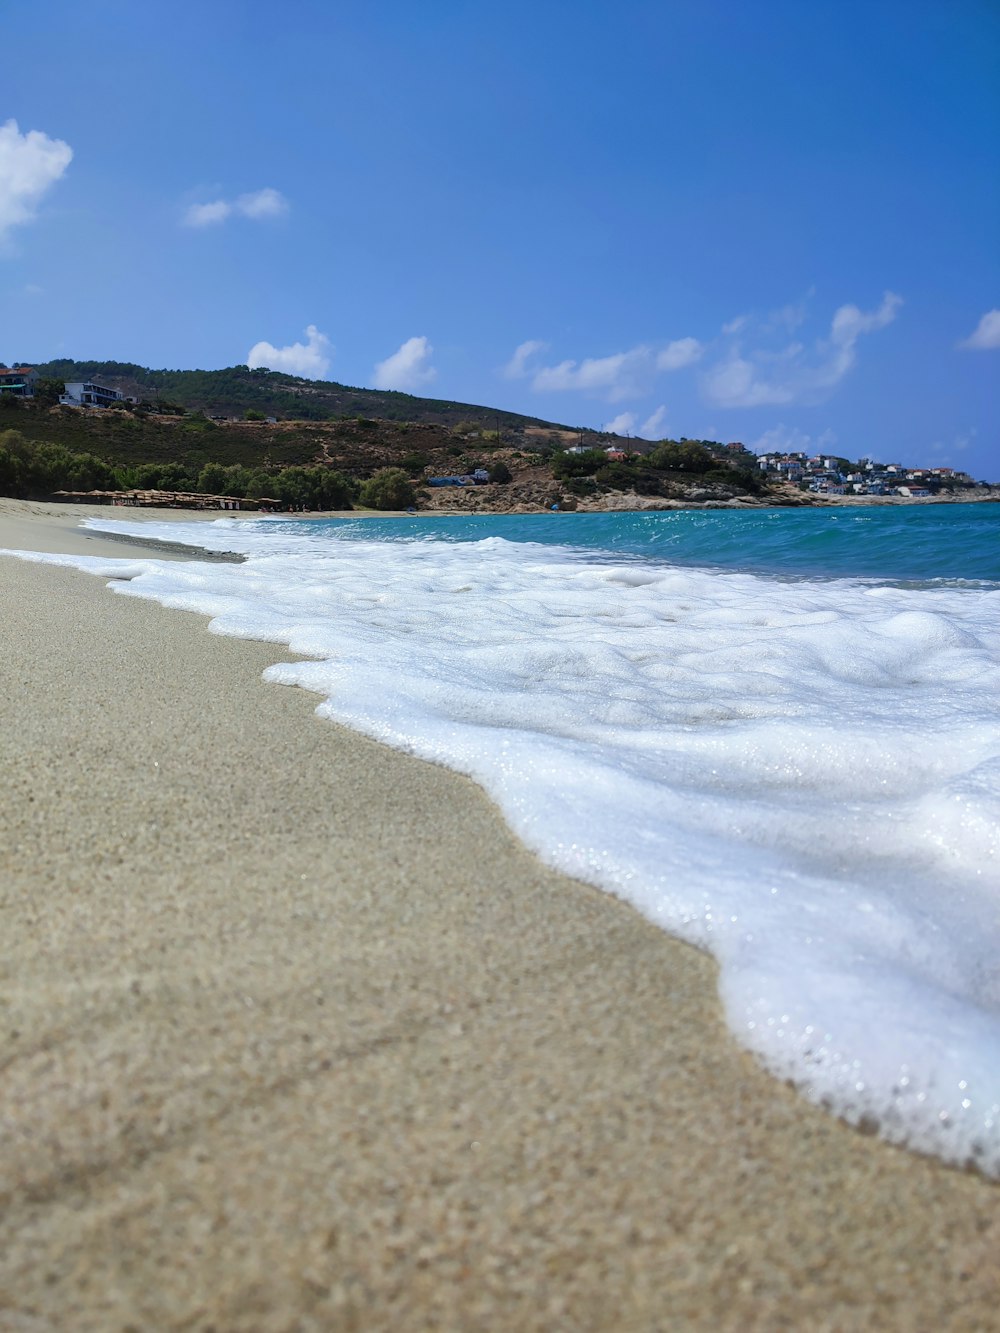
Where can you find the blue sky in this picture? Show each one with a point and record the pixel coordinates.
(775, 222)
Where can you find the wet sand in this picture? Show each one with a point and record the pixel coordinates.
(296, 1036)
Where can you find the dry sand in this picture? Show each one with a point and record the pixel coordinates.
(296, 1036)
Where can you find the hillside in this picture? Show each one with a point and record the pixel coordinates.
(231, 392)
(355, 446)
(187, 433)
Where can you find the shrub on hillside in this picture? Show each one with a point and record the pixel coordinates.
(619, 476)
(577, 465)
(737, 478)
(414, 463)
(198, 421)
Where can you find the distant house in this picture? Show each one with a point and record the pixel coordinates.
(615, 455)
(791, 468)
(83, 393)
(19, 381)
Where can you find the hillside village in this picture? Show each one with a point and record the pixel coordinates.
(825, 475)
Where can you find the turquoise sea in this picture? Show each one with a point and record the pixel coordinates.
(913, 542)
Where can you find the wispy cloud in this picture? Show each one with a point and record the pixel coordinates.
(407, 368)
(677, 355)
(259, 206)
(788, 317)
(266, 203)
(30, 164)
(615, 377)
(206, 215)
(782, 439)
(795, 373)
(652, 427)
(517, 367)
(944, 451)
(986, 335)
(310, 359)
(618, 376)
(623, 424)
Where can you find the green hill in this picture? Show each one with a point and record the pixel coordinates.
(233, 391)
(316, 444)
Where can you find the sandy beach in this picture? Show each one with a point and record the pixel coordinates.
(296, 1036)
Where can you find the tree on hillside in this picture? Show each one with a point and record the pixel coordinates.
(688, 456)
(389, 489)
(213, 479)
(312, 488)
(48, 391)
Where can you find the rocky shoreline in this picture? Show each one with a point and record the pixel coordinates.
(538, 495)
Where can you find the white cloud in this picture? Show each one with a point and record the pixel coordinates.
(734, 383)
(30, 164)
(653, 425)
(207, 215)
(408, 368)
(795, 374)
(736, 325)
(676, 355)
(517, 367)
(266, 203)
(849, 322)
(258, 206)
(311, 359)
(789, 317)
(617, 376)
(986, 334)
(620, 375)
(623, 424)
(782, 439)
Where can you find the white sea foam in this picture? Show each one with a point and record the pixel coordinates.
(802, 777)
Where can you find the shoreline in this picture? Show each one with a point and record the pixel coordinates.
(72, 512)
(298, 1035)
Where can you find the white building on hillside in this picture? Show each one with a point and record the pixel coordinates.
(82, 393)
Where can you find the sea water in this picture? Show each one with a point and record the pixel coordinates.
(775, 732)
